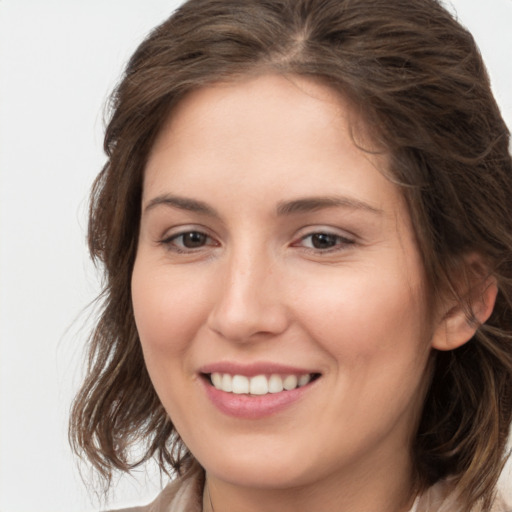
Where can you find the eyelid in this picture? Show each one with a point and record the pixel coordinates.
(168, 239)
(344, 239)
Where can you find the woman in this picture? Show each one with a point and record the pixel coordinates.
(306, 232)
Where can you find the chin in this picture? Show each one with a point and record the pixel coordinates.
(259, 465)
(262, 476)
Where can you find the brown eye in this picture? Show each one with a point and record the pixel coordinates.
(188, 241)
(193, 239)
(324, 240)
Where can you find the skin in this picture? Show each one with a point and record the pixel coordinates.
(255, 288)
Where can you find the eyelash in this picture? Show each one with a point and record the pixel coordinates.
(170, 242)
(339, 242)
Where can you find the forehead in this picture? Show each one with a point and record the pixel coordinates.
(298, 94)
(269, 123)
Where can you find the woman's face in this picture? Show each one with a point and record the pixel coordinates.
(274, 253)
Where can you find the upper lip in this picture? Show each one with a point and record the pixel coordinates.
(253, 369)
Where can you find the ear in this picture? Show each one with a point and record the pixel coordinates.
(459, 319)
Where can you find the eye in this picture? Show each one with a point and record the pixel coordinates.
(323, 241)
(192, 239)
(188, 241)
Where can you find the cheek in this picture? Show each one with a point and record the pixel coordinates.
(359, 316)
(372, 327)
(168, 314)
(168, 308)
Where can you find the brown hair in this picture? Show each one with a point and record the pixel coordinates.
(418, 80)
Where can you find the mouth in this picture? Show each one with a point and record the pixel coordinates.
(258, 385)
(258, 390)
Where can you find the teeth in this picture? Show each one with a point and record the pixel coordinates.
(258, 385)
(290, 382)
(275, 384)
(217, 380)
(240, 384)
(304, 379)
(227, 382)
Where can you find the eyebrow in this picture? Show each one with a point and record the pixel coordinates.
(284, 208)
(182, 203)
(311, 204)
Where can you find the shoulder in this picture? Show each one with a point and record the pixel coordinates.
(502, 504)
(442, 498)
(185, 494)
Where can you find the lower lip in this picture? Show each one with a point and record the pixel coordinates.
(254, 406)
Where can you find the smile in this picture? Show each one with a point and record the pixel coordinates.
(258, 390)
(258, 384)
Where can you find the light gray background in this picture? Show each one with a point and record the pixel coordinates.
(58, 61)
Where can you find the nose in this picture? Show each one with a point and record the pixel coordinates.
(249, 303)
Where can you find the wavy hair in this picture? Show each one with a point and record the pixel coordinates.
(418, 80)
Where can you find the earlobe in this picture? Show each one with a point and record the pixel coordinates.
(460, 322)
